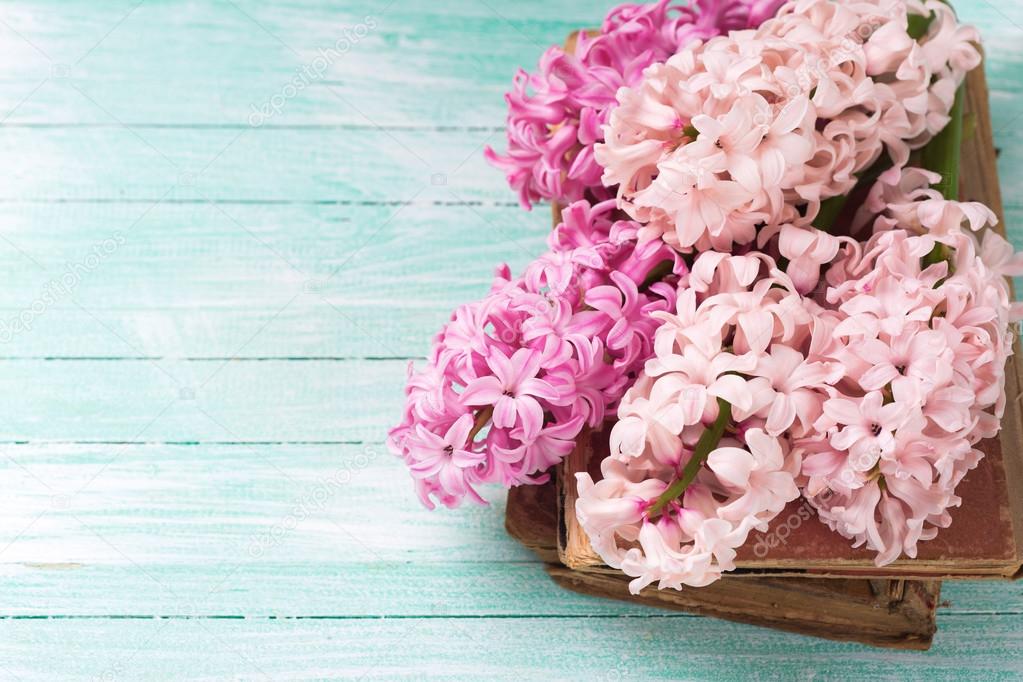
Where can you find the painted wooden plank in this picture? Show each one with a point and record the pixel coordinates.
(49, 81)
(201, 82)
(252, 164)
(981, 597)
(140, 400)
(310, 327)
(302, 586)
(259, 529)
(198, 165)
(226, 244)
(347, 65)
(1010, 166)
(214, 255)
(230, 504)
(199, 280)
(512, 649)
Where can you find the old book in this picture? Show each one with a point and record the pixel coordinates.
(885, 613)
(985, 539)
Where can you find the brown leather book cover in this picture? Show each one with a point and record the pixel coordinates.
(981, 543)
(985, 539)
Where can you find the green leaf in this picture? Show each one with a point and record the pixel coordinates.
(941, 155)
(918, 25)
(657, 273)
(832, 208)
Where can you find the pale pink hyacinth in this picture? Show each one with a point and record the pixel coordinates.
(759, 127)
(919, 317)
(513, 379)
(556, 115)
(912, 78)
(732, 340)
(744, 484)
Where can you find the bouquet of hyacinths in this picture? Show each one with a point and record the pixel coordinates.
(708, 293)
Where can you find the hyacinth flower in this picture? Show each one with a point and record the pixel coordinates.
(758, 128)
(692, 470)
(513, 379)
(920, 319)
(556, 115)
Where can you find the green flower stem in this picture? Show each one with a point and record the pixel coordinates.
(941, 155)
(708, 442)
(482, 419)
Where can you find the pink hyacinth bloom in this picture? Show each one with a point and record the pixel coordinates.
(913, 358)
(919, 316)
(758, 472)
(521, 372)
(446, 455)
(622, 304)
(760, 127)
(866, 427)
(749, 476)
(556, 115)
(861, 370)
(513, 390)
(791, 388)
(695, 541)
(807, 251)
(445, 459)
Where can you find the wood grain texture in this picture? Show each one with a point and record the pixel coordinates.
(190, 440)
(526, 648)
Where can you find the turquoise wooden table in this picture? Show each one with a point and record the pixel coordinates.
(225, 228)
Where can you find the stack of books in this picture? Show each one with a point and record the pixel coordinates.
(800, 576)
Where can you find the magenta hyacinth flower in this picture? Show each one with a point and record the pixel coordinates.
(513, 390)
(556, 115)
(513, 379)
